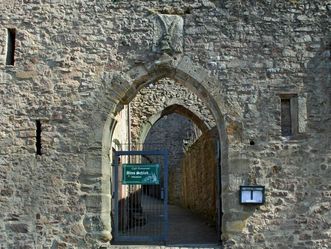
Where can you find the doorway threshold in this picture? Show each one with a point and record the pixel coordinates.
(172, 246)
(184, 245)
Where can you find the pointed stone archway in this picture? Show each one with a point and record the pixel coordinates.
(120, 88)
(166, 96)
(179, 109)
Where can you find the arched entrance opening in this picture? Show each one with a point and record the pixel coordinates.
(192, 178)
(188, 75)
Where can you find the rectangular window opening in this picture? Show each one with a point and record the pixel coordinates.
(11, 37)
(38, 138)
(289, 114)
(286, 123)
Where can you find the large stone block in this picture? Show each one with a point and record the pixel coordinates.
(18, 227)
(93, 166)
(187, 70)
(22, 75)
(235, 226)
(302, 114)
(93, 202)
(240, 165)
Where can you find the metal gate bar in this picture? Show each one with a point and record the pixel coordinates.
(147, 221)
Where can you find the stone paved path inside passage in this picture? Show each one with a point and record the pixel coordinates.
(186, 230)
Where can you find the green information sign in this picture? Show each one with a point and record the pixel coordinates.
(141, 174)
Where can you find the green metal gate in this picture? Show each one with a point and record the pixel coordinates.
(141, 196)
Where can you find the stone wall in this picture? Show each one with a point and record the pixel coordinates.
(199, 177)
(78, 62)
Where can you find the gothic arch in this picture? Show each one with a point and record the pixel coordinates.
(154, 98)
(175, 108)
(120, 88)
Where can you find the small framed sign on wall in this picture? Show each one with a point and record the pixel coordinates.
(252, 195)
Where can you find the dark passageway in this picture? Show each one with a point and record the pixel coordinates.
(192, 190)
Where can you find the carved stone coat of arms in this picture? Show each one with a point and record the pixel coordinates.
(168, 34)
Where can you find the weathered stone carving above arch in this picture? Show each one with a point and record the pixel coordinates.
(168, 34)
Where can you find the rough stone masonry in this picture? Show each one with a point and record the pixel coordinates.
(71, 66)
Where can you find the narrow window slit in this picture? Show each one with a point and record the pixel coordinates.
(38, 137)
(286, 124)
(11, 37)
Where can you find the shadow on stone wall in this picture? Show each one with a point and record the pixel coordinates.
(317, 84)
(199, 177)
